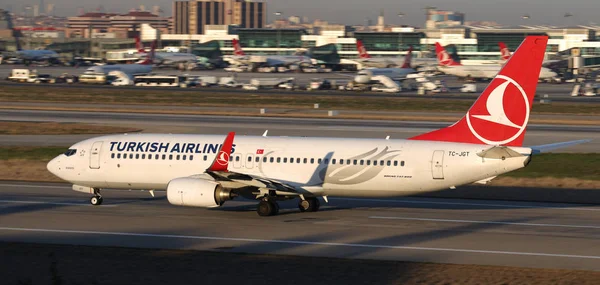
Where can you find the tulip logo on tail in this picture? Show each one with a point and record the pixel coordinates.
(362, 51)
(505, 53)
(493, 123)
(223, 158)
(444, 58)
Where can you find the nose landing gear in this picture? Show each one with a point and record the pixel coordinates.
(96, 200)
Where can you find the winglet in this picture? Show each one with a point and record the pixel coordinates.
(222, 159)
(549, 147)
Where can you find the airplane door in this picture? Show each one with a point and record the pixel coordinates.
(437, 164)
(237, 161)
(249, 161)
(95, 155)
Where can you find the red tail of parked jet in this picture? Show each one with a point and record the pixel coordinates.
(500, 114)
(504, 51)
(150, 57)
(362, 51)
(237, 48)
(444, 58)
(408, 58)
(138, 45)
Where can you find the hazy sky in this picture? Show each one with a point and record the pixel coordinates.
(356, 11)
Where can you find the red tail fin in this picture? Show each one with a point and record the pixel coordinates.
(444, 58)
(138, 45)
(362, 51)
(504, 51)
(408, 58)
(150, 57)
(500, 114)
(237, 48)
(222, 159)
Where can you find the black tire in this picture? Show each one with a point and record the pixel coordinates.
(265, 208)
(96, 200)
(304, 205)
(310, 204)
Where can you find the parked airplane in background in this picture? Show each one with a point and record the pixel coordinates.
(239, 57)
(449, 66)
(387, 62)
(208, 170)
(142, 67)
(364, 76)
(505, 55)
(174, 59)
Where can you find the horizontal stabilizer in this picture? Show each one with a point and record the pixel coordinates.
(499, 152)
(549, 147)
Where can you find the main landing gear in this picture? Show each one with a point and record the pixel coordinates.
(269, 207)
(96, 200)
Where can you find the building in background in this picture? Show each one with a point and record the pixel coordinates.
(440, 19)
(191, 17)
(107, 25)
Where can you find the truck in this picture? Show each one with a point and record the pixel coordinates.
(20, 75)
(270, 82)
(468, 88)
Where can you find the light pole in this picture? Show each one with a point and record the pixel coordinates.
(400, 15)
(278, 14)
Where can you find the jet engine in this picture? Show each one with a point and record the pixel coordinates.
(195, 192)
(363, 77)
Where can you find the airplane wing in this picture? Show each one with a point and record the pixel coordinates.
(549, 147)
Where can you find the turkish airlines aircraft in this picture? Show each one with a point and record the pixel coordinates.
(167, 58)
(364, 76)
(143, 67)
(449, 66)
(239, 57)
(387, 62)
(208, 170)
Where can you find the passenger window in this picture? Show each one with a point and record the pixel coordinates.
(285, 160)
(355, 162)
(237, 158)
(231, 158)
(362, 162)
(402, 163)
(170, 157)
(184, 157)
(368, 162)
(249, 158)
(333, 161)
(389, 163)
(257, 159)
(112, 155)
(124, 156)
(291, 160)
(205, 157)
(278, 159)
(395, 163)
(319, 161)
(305, 160)
(178, 156)
(298, 160)
(131, 156)
(347, 161)
(156, 157)
(137, 156)
(164, 156)
(143, 156)
(312, 160)
(341, 161)
(272, 159)
(118, 155)
(265, 159)
(381, 162)
(191, 157)
(149, 156)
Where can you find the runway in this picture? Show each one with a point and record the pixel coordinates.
(536, 134)
(523, 234)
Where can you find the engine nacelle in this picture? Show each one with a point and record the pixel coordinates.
(196, 192)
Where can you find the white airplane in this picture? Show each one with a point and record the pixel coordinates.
(167, 58)
(142, 67)
(368, 61)
(449, 66)
(239, 57)
(208, 170)
(364, 76)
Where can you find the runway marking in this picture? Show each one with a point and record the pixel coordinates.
(484, 222)
(53, 203)
(472, 204)
(301, 242)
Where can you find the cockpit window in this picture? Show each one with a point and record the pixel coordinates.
(70, 152)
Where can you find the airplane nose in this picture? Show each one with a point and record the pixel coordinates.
(53, 166)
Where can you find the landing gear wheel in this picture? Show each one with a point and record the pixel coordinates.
(96, 200)
(267, 208)
(310, 204)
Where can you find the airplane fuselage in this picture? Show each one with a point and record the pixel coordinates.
(321, 166)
